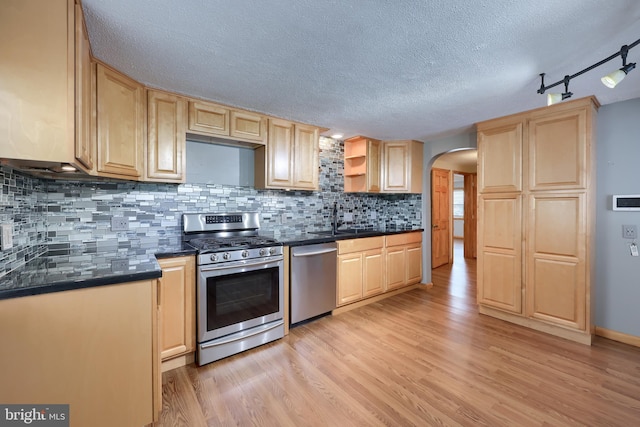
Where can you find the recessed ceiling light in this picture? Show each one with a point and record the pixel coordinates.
(337, 136)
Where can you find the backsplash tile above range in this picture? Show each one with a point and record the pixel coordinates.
(77, 215)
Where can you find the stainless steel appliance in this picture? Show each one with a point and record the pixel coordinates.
(239, 284)
(313, 280)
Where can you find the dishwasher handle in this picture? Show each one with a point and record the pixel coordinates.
(320, 252)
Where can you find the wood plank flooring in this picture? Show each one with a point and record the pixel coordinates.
(425, 357)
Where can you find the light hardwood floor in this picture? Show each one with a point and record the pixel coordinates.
(422, 358)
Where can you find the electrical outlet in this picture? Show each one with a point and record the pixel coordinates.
(629, 232)
(373, 215)
(119, 265)
(284, 218)
(119, 223)
(348, 217)
(7, 236)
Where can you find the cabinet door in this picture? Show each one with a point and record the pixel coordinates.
(36, 93)
(305, 157)
(500, 158)
(556, 259)
(91, 348)
(120, 119)
(500, 251)
(84, 150)
(373, 166)
(558, 151)
(248, 126)
(177, 306)
(166, 133)
(396, 166)
(349, 278)
(414, 264)
(208, 119)
(373, 273)
(395, 267)
(279, 154)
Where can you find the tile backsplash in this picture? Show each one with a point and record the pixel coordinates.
(65, 215)
(22, 207)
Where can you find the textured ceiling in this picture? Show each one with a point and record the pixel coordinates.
(384, 69)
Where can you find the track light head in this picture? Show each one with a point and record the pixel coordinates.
(612, 79)
(554, 98)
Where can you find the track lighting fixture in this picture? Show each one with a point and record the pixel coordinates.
(610, 80)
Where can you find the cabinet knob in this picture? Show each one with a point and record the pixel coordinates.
(435, 226)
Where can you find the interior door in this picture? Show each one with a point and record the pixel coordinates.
(470, 215)
(440, 217)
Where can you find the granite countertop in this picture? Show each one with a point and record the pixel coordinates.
(315, 237)
(66, 270)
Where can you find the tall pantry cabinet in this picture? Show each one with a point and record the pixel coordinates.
(536, 218)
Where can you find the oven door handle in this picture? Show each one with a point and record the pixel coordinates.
(254, 331)
(324, 251)
(232, 264)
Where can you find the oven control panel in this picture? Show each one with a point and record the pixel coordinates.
(223, 219)
(197, 223)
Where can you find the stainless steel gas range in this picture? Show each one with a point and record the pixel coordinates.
(239, 283)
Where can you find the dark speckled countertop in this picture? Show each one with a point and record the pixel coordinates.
(313, 237)
(75, 270)
(67, 270)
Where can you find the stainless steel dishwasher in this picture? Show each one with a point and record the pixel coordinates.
(313, 280)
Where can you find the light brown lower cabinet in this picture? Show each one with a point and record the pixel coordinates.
(403, 259)
(360, 269)
(94, 349)
(374, 265)
(176, 296)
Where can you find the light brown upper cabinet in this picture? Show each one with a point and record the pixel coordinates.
(558, 151)
(500, 159)
(362, 165)
(536, 218)
(402, 166)
(290, 160)
(120, 124)
(166, 137)
(85, 142)
(209, 119)
(45, 110)
(246, 126)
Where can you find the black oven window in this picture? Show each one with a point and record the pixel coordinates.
(239, 297)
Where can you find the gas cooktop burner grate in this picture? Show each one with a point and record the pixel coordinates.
(221, 243)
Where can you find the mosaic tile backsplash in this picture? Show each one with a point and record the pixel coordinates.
(63, 215)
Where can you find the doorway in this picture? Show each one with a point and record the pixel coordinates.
(453, 207)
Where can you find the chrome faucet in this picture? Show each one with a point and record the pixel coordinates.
(334, 220)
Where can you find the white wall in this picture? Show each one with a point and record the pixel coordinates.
(458, 228)
(219, 164)
(617, 284)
